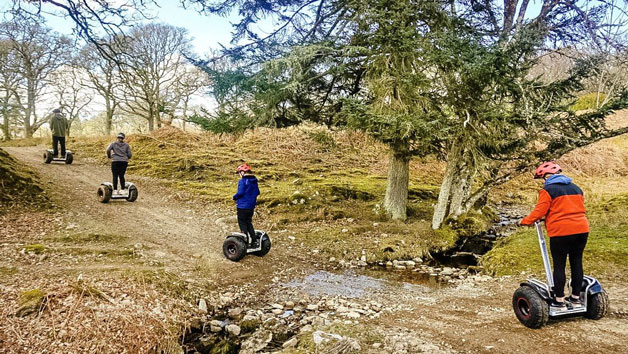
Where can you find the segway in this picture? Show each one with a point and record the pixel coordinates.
(49, 157)
(531, 302)
(237, 245)
(105, 192)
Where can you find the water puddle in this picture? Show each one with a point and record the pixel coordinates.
(364, 282)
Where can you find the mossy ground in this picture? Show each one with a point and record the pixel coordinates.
(606, 199)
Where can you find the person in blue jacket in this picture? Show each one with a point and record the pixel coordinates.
(246, 198)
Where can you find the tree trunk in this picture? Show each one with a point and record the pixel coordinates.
(108, 116)
(463, 181)
(5, 119)
(456, 196)
(30, 109)
(441, 209)
(151, 124)
(396, 199)
(185, 114)
(5, 128)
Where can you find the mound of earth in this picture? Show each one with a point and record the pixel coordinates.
(19, 185)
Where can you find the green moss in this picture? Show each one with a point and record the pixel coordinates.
(249, 326)
(30, 301)
(82, 238)
(109, 252)
(34, 248)
(587, 101)
(8, 270)
(473, 222)
(225, 346)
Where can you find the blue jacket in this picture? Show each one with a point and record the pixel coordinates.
(246, 196)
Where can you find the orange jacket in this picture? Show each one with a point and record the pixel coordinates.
(561, 203)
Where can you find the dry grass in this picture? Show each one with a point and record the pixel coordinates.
(80, 318)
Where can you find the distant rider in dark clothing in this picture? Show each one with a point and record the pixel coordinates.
(58, 127)
(120, 152)
(246, 198)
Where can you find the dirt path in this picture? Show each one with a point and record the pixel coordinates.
(472, 316)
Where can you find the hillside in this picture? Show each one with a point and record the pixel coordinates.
(325, 187)
(19, 185)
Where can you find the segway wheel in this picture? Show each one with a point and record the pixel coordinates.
(69, 157)
(47, 157)
(597, 306)
(234, 248)
(132, 194)
(104, 194)
(265, 247)
(531, 310)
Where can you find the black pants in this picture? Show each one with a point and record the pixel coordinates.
(561, 246)
(245, 221)
(118, 169)
(56, 140)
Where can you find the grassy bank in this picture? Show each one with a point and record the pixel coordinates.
(19, 185)
(601, 171)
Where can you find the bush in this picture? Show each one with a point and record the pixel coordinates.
(587, 101)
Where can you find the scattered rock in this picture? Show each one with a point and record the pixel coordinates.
(202, 305)
(277, 311)
(233, 329)
(312, 307)
(31, 301)
(256, 342)
(234, 313)
(290, 343)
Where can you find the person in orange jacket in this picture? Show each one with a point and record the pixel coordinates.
(561, 203)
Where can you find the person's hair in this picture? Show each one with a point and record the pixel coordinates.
(56, 110)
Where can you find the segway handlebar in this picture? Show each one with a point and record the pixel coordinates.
(546, 261)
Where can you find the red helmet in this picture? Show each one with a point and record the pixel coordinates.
(243, 168)
(547, 167)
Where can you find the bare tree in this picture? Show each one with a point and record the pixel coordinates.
(103, 77)
(9, 85)
(152, 64)
(189, 84)
(40, 51)
(70, 92)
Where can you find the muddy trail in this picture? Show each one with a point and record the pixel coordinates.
(315, 303)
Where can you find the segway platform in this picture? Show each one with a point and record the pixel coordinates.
(105, 192)
(237, 245)
(49, 157)
(531, 302)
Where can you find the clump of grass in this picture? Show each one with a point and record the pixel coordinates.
(35, 248)
(588, 101)
(82, 238)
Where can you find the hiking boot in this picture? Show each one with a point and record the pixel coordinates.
(574, 303)
(558, 306)
(255, 243)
